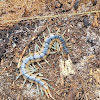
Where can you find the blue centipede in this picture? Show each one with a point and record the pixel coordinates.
(26, 61)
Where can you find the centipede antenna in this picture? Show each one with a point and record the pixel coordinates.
(46, 62)
(38, 90)
(39, 64)
(42, 93)
(48, 30)
(40, 41)
(31, 85)
(18, 76)
(24, 83)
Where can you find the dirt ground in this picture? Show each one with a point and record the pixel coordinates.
(82, 82)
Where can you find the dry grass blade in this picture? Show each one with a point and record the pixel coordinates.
(3, 71)
(50, 16)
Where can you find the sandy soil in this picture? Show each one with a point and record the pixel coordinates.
(84, 39)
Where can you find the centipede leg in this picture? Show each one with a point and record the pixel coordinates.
(39, 64)
(34, 66)
(69, 46)
(55, 46)
(31, 85)
(40, 41)
(48, 94)
(48, 91)
(43, 78)
(41, 91)
(58, 48)
(29, 51)
(18, 76)
(51, 96)
(50, 86)
(32, 69)
(63, 33)
(24, 83)
(39, 74)
(46, 62)
(38, 90)
(44, 35)
(37, 48)
(48, 30)
(58, 30)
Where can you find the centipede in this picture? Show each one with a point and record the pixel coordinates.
(37, 57)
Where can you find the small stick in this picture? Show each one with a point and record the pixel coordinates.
(3, 71)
